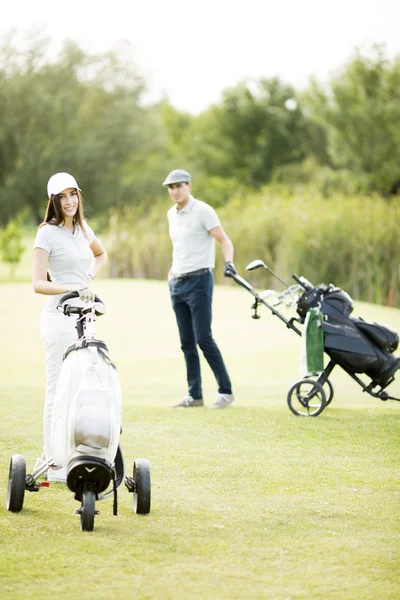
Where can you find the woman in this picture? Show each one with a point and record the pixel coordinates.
(66, 257)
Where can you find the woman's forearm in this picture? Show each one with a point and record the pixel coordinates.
(49, 288)
(98, 263)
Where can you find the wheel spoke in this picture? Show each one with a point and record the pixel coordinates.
(306, 398)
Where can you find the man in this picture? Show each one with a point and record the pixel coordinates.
(193, 227)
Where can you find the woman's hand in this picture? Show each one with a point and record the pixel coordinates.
(86, 294)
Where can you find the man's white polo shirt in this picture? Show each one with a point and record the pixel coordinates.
(193, 247)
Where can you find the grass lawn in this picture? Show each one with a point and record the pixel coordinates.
(247, 503)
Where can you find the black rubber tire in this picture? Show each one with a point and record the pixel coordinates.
(142, 490)
(328, 389)
(16, 483)
(306, 398)
(88, 510)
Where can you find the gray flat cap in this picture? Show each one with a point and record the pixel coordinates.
(177, 176)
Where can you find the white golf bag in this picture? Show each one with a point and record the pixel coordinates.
(87, 412)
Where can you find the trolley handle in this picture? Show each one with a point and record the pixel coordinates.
(67, 309)
(66, 297)
(73, 295)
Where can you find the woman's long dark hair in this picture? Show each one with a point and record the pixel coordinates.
(54, 214)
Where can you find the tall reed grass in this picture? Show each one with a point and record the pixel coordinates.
(352, 242)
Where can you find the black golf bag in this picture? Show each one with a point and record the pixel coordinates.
(353, 343)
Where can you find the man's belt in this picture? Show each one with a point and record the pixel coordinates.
(192, 274)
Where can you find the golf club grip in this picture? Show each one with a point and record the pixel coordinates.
(305, 284)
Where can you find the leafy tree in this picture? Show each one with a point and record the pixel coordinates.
(81, 114)
(256, 128)
(360, 116)
(11, 245)
(176, 125)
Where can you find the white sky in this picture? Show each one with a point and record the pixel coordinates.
(191, 50)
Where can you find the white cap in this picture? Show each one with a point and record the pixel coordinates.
(59, 182)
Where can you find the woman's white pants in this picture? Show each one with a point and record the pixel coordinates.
(57, 332)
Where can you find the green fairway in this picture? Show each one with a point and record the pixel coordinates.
(250, 502)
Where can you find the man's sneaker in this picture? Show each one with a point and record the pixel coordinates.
(188, 402)
(223, 400)
(57, 474)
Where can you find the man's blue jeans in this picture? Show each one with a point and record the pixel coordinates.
(192, 302)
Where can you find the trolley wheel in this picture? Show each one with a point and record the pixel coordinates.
(328, 389)
(88, 510)
(306, 398)
(16, 483)
(142, 489)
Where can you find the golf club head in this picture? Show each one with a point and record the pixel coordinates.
(268, 293)
(255, 264)
(271, 294)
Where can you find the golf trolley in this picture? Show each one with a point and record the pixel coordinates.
(356, 345)
(86, 427)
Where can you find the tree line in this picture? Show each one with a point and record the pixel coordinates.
(306, 180)
(86, 114)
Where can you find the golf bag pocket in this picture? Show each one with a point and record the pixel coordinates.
(87, 412)
(384, 336)
(92, 430)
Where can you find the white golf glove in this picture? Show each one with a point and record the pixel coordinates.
(86, 294)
